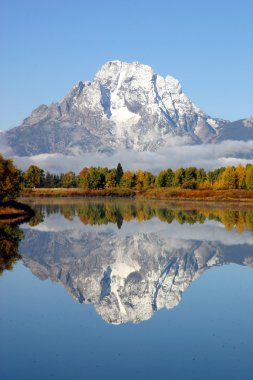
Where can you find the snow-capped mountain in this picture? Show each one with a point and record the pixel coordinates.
(125, 106)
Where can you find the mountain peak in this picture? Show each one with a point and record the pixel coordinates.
(125, 106)
(118, 72)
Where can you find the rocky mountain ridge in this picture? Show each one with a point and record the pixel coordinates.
(125, 106)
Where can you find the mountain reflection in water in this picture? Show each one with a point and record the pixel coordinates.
(132, 258)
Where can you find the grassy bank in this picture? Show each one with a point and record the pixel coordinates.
(152, 193)
(198, 195)
(76, 192)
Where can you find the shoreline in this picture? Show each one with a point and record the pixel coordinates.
(12, 212)
(168, 194)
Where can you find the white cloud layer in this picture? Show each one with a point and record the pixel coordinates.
(208, 156)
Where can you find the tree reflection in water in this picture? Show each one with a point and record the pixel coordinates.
(130, 274)
(10, 236)
(98, 212)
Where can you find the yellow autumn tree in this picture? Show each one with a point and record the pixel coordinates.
(241, 177)
(229, 178)
(249, 177)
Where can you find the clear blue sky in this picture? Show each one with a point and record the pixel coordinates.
(47, 46)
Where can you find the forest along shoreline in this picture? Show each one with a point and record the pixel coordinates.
(222, 184)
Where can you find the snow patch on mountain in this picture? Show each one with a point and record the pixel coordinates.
(125, 106)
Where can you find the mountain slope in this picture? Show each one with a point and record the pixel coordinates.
(236, 130)
(126, 106)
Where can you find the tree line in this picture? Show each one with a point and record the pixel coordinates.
(230, 177)
(12, 180)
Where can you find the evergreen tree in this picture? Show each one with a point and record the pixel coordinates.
(119, 173)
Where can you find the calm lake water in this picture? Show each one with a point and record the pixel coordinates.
(121, 289)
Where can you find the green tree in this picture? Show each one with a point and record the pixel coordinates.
(161, 179)
(68, 180)
(179, 177)
(169, 177)
(201, 176)
(189, 180)
(165, 178)
(93, 178)
(190, 174)
(97, 178)
(148, 180)
(34, 176)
